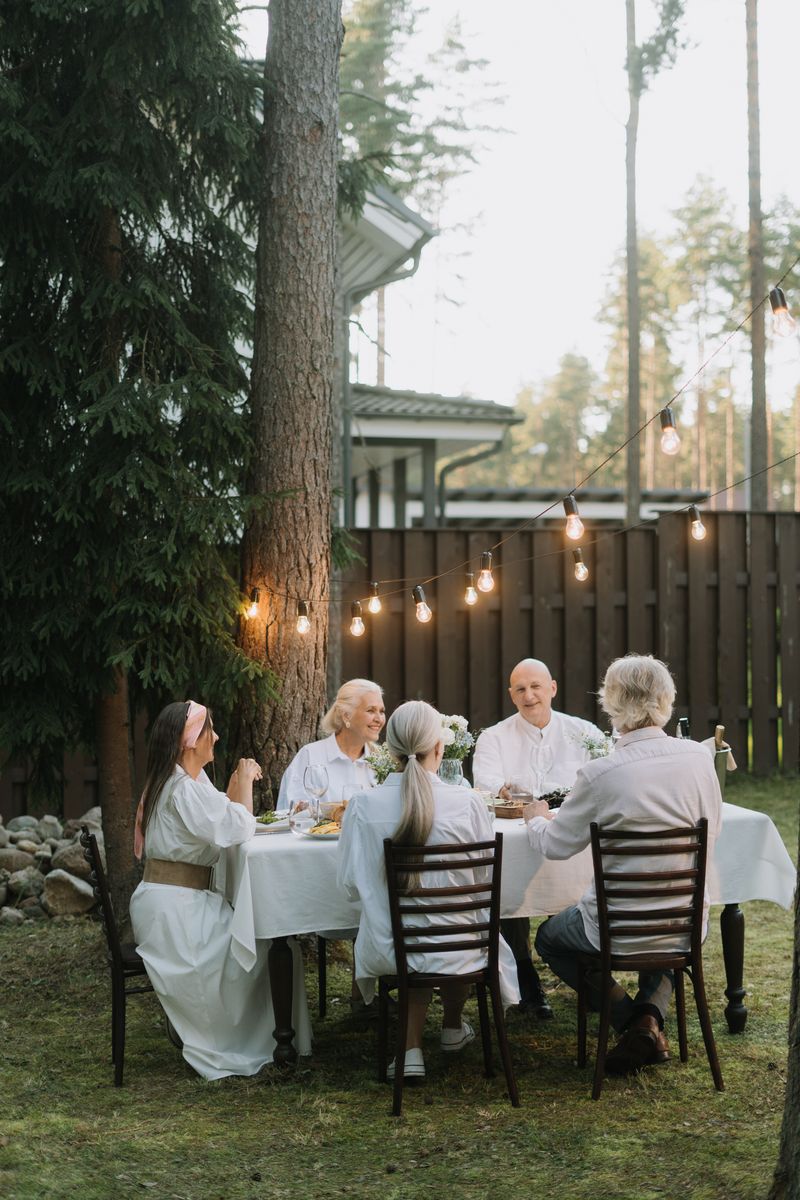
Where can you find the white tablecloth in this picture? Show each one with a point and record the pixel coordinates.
(280, 884)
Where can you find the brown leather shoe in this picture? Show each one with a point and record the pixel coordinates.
(637, 1048)
(661, 1052)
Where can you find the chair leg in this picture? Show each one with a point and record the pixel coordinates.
(486, 1037)
(114, 1017)
(502, 1041)
(699, 988)
(400, 1050)
(582, 1004)
(680, 1015)
(383, 1029)
(602, 1042)
(322, 976)
(118, 1030)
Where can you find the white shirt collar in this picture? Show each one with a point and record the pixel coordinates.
(333, 750)
(641, 735)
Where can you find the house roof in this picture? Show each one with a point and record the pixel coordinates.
(379, 241)
(374, 402)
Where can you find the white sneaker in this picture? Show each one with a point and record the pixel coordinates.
(454, 1040)
(414, 1068)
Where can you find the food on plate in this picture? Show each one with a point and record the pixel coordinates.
(325, 828)
(268, 818)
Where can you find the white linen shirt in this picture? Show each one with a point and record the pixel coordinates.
(343, 772)
(510, 751)
(459, 816)
(650, 781)
(193, 822)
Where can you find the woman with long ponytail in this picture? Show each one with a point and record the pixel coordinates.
(413, 807)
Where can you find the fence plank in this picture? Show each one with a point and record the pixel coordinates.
(484, 647)
(763, 643)
(787, 532)
(701, 633)
(734, 712)
(548, 600)
(452, 641)
(386, 630)
(673, 531)
(578, 683)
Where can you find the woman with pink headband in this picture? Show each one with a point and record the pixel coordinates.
(220, 1013)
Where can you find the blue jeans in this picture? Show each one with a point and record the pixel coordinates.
(561, 939)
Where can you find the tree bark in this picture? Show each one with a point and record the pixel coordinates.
(755, 251)
(633, 466)
(115, 787)
(286, 547)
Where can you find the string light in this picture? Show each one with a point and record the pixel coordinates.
(783, 323)
(374, 605)
(252, 608)
(303, 623)
(357, 623)
(574, 527)
(470, 595)
(698, 528)
(424, 614)
(670, 441)
(486, 579)
(581, 569)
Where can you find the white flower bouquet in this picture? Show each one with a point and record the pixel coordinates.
(458, 741)
(382, 762)
(596, 747)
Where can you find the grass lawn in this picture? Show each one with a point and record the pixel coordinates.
(324, 1130)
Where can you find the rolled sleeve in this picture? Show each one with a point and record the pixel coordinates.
(210, 815)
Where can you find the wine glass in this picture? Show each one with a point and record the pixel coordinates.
(315, 780)
(303, 815)
(543, 767)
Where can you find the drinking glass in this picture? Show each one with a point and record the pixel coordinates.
(303, 815)
(315, 780)
(543, 765)
(451, 771)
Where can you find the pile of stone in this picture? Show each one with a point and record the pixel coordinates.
(43, 871)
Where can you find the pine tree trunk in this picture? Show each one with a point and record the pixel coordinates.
(633, 467)
(755, 251)
(286, 547)
(114, 778)
(797, 449)
(786, 1182)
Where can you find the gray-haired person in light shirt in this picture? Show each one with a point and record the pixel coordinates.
(650, 781)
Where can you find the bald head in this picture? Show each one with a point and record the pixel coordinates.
(532, 688)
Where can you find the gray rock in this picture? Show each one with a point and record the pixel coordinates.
(23, 822)
(24, 835)
(91, 817)
(4, 836)
(27, 847)
(43, 859)
(13, 859)
(50, 826)
(32, 910)
(71, 859)
(55, 843)
(64, 893)
(3, 894)
(27, 882)
(11, 916)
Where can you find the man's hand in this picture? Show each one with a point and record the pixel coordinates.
(505, 792)
(537, 808)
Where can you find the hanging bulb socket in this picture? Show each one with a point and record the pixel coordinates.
(485, 578)
(670, 440)
(698, 528)
(581, 569)
(357, 622)
(424, 614)
(783, 323)
(303, 623)
(374, 604)
(470, 595)
(252, 608)
(574, 529)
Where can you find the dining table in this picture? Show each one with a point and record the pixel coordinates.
(280, 885)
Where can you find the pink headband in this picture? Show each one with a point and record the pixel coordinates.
(195, 720)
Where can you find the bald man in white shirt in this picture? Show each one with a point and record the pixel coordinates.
(538, 750)
(651, 781)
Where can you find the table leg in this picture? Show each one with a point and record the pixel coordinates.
(280, 982)
(731, 923)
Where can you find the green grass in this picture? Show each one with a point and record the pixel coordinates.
(324, 1130)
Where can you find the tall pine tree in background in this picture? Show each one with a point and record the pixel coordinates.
(127, 136)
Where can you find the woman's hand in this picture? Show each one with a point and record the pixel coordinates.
(240, 785)
(248, 770)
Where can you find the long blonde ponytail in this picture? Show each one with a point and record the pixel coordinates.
(411, 733)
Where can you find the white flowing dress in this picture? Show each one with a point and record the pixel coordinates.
(222, 1013)
(459, 816)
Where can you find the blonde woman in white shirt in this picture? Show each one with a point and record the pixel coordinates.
(353, 724)
(413, 807)
(651, 781)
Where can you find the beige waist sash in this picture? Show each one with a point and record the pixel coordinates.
(179, 874)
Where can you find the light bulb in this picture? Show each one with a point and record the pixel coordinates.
(374, 605)
(581, 569)
(357, 624)
(698, 528)
(303, 623)
(424, 614)
(485, 578)
(670, 440)
(470, 595)
(783, 323)
(252, 608)
(574, 527)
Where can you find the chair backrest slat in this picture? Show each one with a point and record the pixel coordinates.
(97, 879)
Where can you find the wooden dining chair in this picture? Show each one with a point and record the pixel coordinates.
(123, 958)
(473, 923)
(669, 904)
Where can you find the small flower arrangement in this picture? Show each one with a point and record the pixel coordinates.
(382, 762)
(596, 747)
(458, 741)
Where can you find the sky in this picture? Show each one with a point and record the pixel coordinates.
(546, 201)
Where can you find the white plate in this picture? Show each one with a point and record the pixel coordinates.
(322, 837)
(273, 827)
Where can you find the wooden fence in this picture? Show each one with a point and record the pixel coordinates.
(723, 613)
